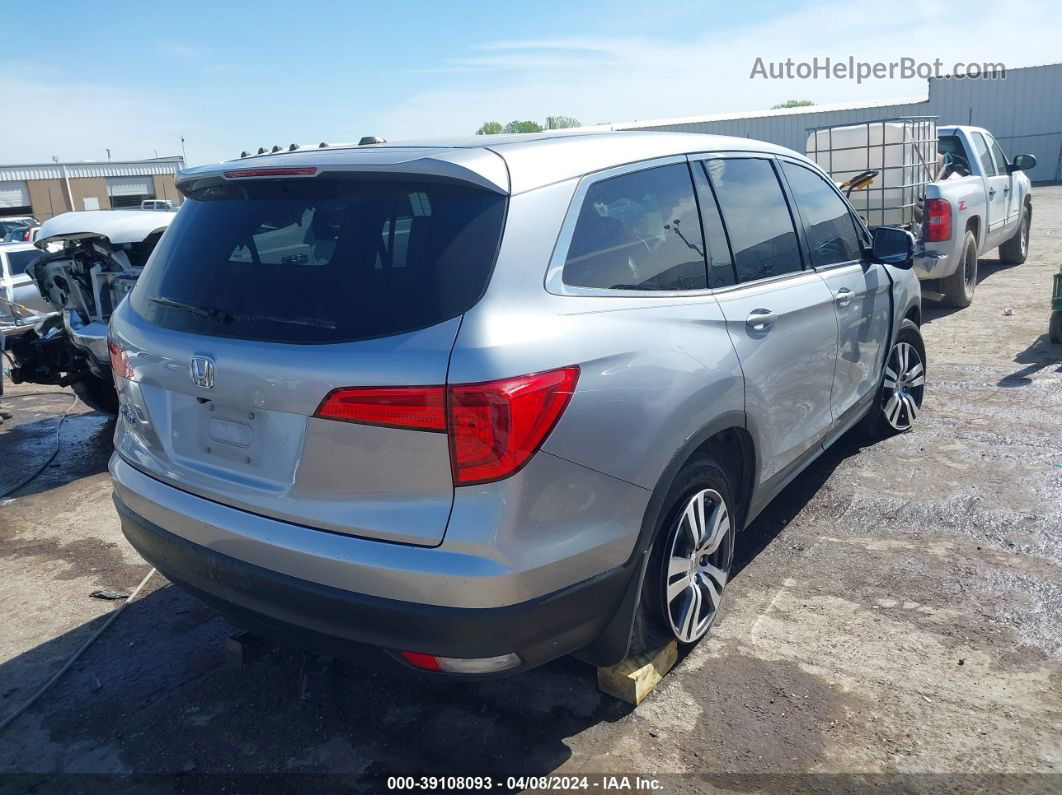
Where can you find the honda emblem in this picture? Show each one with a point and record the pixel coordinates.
(202, 372)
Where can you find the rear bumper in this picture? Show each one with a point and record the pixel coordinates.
(340, 622)
(934, 264)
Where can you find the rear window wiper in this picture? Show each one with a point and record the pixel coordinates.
(215, 314)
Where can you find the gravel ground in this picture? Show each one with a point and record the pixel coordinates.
(895, 620)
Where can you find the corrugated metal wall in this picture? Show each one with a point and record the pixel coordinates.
(1024, 111)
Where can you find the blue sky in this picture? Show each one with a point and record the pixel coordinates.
(135, 77)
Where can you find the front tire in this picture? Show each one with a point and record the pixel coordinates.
(97, 394)
(958, 289)
(902, 386)
(1016, 250)
(693, 553)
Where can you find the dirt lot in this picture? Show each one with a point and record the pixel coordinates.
(897, 614)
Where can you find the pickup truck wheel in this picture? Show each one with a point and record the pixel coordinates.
(1015, 250)
(97, 394)
(902, 387)
(694, 550)
(958, 289)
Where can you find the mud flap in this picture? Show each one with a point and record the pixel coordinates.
(614, 643)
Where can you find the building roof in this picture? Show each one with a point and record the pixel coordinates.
(503, 163)
(823, 108)
(108, 168)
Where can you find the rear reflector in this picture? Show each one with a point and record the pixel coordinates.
(462, 665)
(494, 428)
(416, 408)
(938, 220)
(308, 171)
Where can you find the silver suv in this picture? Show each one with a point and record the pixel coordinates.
(484, 403)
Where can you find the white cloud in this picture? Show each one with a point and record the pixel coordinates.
(599, 79)
(80, 119)
(593, 77)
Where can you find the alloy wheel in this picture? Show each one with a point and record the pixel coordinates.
(698, 565)
(1024, 243)
(904, 386)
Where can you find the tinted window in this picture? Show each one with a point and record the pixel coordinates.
(321, 260)
(952, 145)
(18, 261)
(638, 231)
(983, 155)
(997, 155)
(756, 216)
(720, 264)
(828, 224)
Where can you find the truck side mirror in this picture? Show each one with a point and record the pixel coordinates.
(893, 246)
(1022, 163)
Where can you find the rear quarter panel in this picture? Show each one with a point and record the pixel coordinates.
(966, 196)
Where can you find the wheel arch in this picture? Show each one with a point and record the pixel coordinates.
(726, 436)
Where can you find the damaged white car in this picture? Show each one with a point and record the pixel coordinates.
(91, 261)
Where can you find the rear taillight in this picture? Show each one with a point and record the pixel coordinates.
(938, 220)
(27, 234)
(494, 427)
(417, 408)
(120, 364)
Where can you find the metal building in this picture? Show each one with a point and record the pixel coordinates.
(46, 189)
(1023, 111)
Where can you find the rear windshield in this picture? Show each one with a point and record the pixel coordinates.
(321, 260)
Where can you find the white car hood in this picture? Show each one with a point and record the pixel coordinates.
(117, 226)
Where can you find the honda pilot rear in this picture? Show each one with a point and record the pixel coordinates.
(290, 443)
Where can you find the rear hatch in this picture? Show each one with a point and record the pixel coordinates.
(268, 293)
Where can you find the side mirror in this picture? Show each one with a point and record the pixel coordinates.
(893, 246)
(1022, 163)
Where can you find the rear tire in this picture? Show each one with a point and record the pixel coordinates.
(1016, 250)
(958, 289)
(692, 555)
(97, 394)
(902, 387)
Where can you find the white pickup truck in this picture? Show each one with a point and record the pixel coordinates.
(985, 204)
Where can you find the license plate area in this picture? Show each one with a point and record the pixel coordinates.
(230, 433)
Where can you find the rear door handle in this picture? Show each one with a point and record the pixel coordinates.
(843, 297)
(991, 191)
(760, 319)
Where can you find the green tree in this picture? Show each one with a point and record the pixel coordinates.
(561, 122)
(523, 127)
(490, 128)
(793, 103)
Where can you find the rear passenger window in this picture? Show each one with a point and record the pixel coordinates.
(827, 222)
(756, 216)
(997, 155)
(983, 155)
(638, 231)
